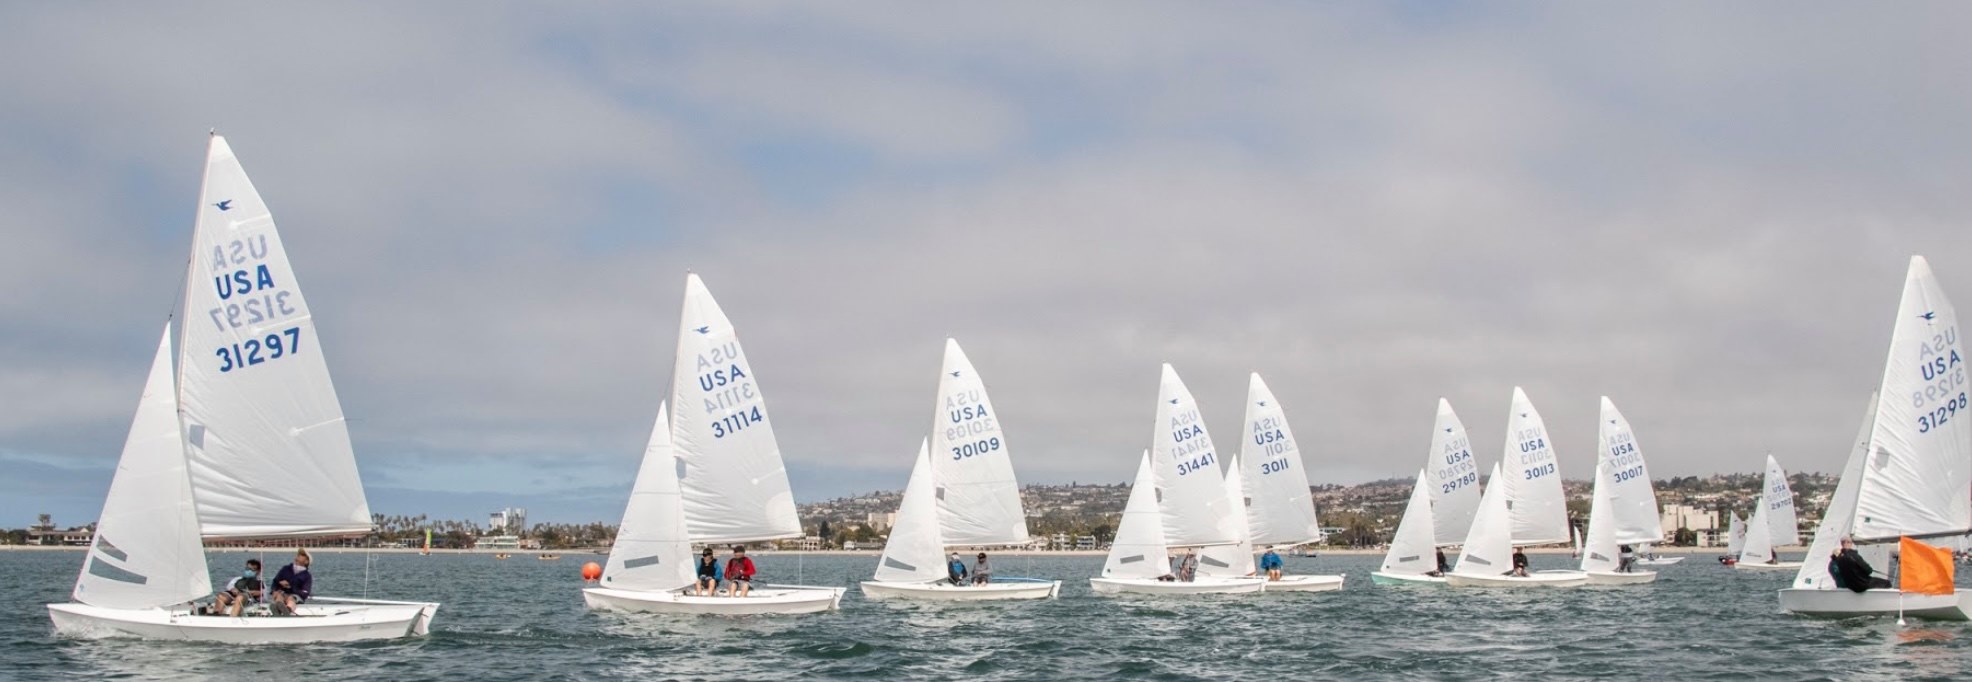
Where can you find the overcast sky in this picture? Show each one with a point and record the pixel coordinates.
(1702, 210)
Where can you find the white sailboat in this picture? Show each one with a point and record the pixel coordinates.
(1623, 506)
(1454, 477)
(1194, 507)
(1533, 480)
(732, 485)
(967, 496)
(245, 441)
(1486, 559)
(1413, 551)
(1907, 475)
(1773, 525)
(1735, 537)
(1268, 489)
(1139, 561)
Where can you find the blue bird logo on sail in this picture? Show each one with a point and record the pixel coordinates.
(1929, 315)
(955, 375)
(1174, 401)
(226, 205)
(703, 330)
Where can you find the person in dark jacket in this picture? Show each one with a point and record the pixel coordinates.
(292, 585)
(1851, 571)
(1443, 565)
(708, 574)
(239, 591)
(1519, 564)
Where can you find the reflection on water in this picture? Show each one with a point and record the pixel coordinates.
(524, 620)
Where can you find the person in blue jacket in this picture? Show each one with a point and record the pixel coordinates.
(955, 569)
(708, 574)
(292, 585)
(1271, 563)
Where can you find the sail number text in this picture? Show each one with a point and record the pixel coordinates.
(976, 448)
(255, 351)
(735, 422)
(1944, 413)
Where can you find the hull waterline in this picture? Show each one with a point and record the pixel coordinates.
(1004, 590)
(320, 620)
(763, 600)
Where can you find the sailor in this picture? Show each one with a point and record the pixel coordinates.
(1188, 566)
(241, 589)
(1443, 565)
(1626, 559)
(708, 574)
(955, 569)
(292, 585)
(1851, 571)
(1271, 563)
(981, 575)
(1519, 564)
(739, 573)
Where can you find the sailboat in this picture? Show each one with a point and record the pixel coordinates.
(1486, 558)
(238, 436)
(968, 497)
(1189, 492)
(1530, 508)
(1444, 501)
(427, 549)
(1622, 506)
(1773, 525)
(1735, 539)
(1413, 551)
(1139, 562)
(1907, 474)
(711, 474)
(1268, 493)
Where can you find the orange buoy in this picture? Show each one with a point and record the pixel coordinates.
(590, 571)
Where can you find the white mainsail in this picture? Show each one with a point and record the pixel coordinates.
(978, 496)
(1191, 490)
(1413, 550)
(1837, 520)
(1454, 477)
(147, 553)
(1736, 535)
(1234, 560)
(734, 482)
(1488, 545)
(915, 550)
(1758, 546)
(1533, 482)
(653, 551)
(1919, 469)
(1601, 550)
(268, 449)
(1777, 501)
(1138, 550)
(1632, 502)
(1279, 508)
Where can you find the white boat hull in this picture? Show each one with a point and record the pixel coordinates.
(1199, 586)
(1305, 583)
(945, 591)
(1621, 578)
(322, 619)
(1537, 579)
(1782, 566)
(1382, 578)
(1879, 602)
(1661, 561)
(764, 599)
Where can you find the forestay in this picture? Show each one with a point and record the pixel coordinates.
(1413, 550)
(1454, 477)
(1533, 482)
(1916, 479)
(146, 552)
(653, 551)
(1191, 489)
(1632, 502)
(1139, 550)
(1488, 547)
(1234, 560)
(1278, 506)
(915, 550)
(1777, 502)
(734, 483)
(977, 494)
(269, 453)
(1838, 519)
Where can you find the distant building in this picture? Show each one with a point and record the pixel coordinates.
(510, 520)
(1705, 522)
(498, 542)
(43, 532)
(1085, 542)
(882, 520)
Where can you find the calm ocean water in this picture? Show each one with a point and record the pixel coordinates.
(523, 619)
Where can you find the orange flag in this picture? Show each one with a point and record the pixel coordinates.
(1926, 569)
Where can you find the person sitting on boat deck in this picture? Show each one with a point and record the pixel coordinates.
(1271, 563)
(292, 585)
(1519, 564)
(708, 574)
(1851, 571)
(981, 574)
(1188, 566)
(241, 589)
(1443, 566)
(739, 573)
(955, 570)
(1626, 559)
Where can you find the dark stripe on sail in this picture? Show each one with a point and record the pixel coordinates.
(1477, 560)
(104, 546)
(640, 562)
(899, 565)
(1134, 558)
(100, 569)
(1405, 559)
(1209, 561)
